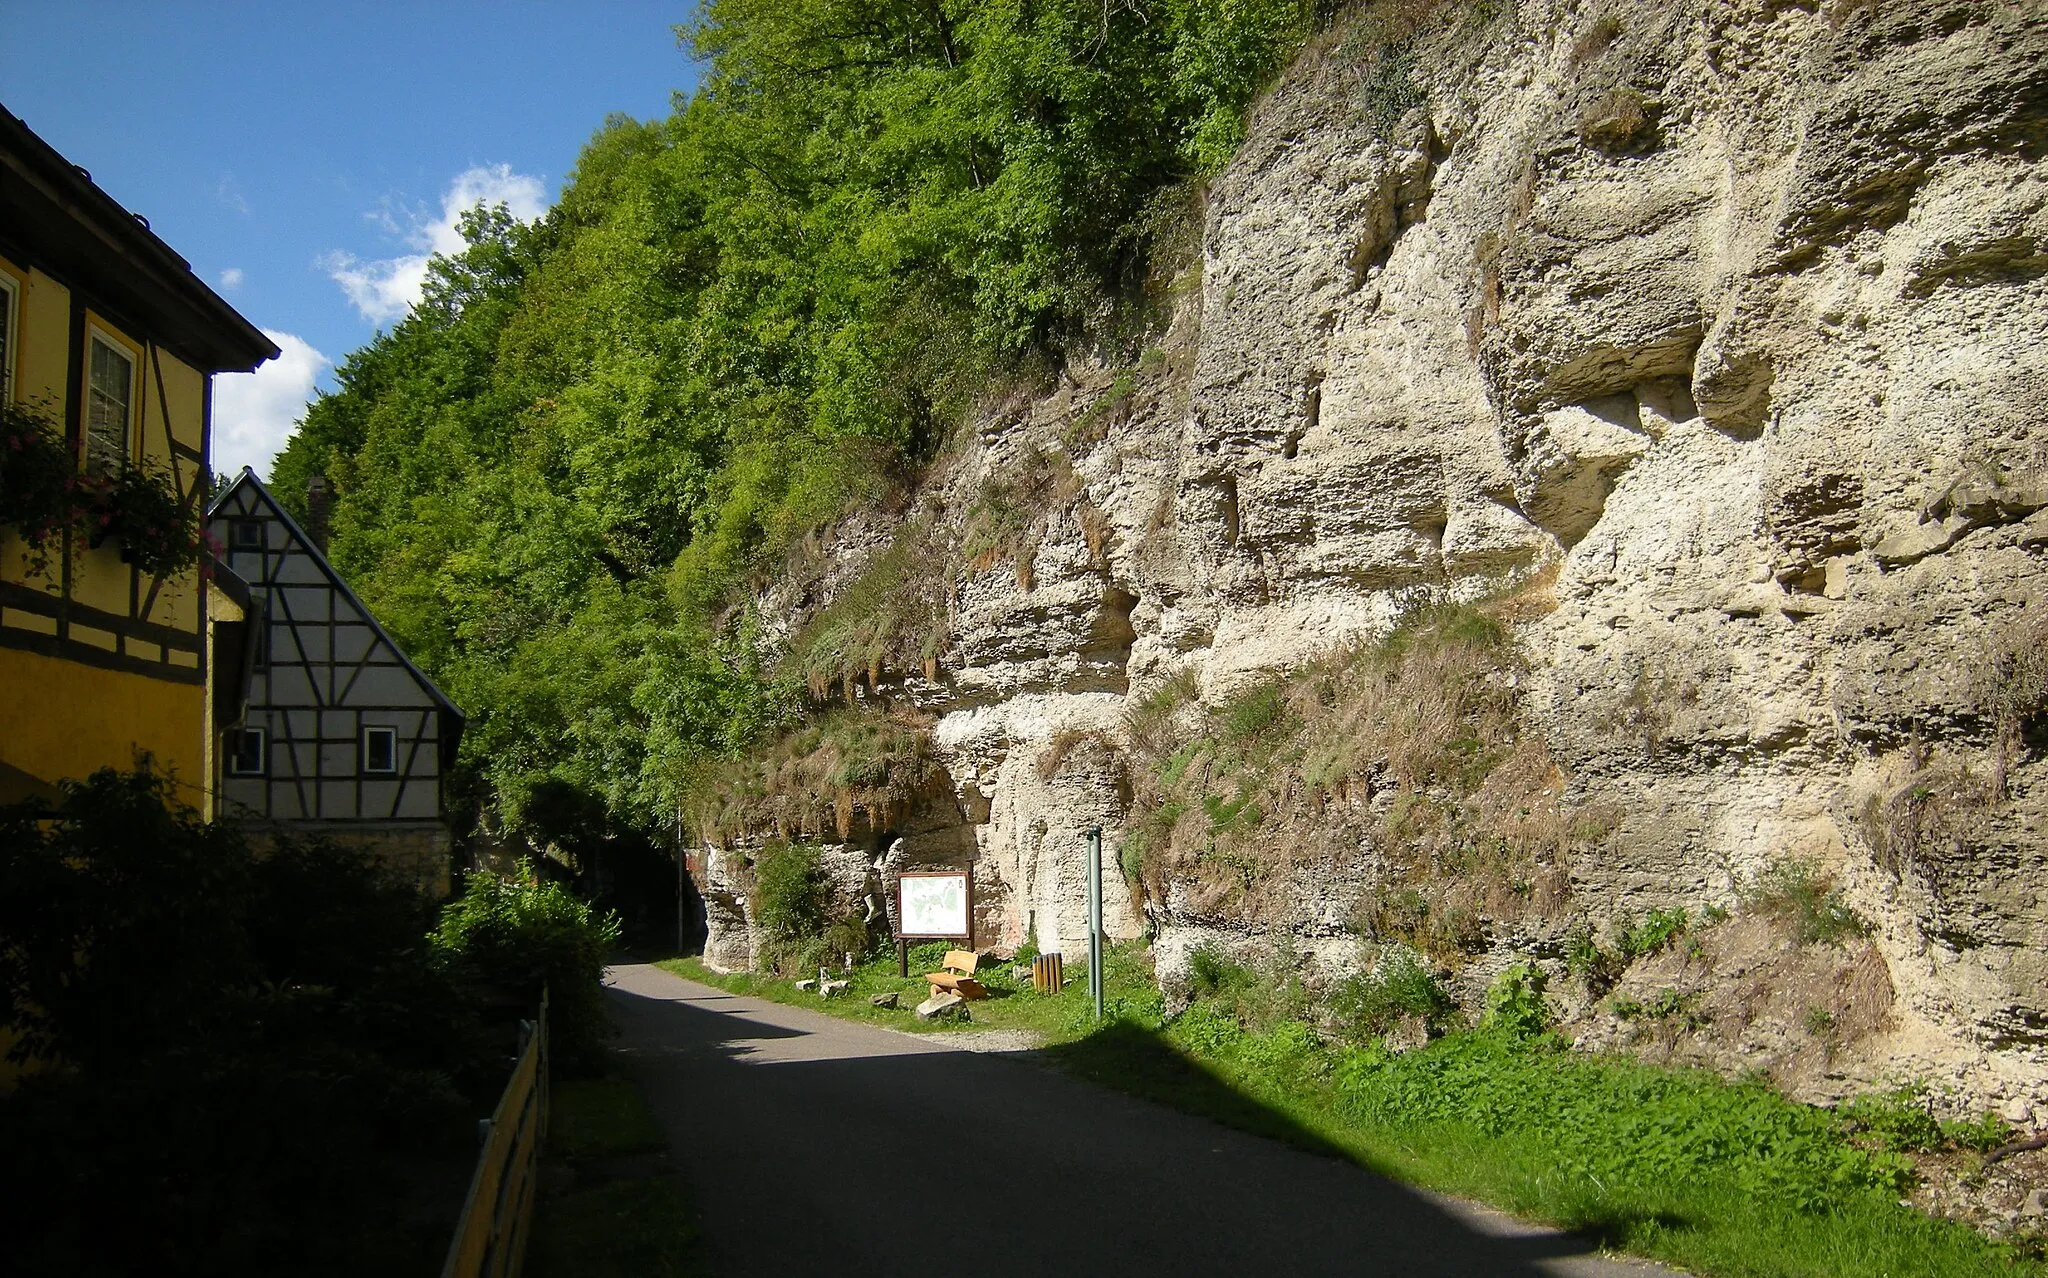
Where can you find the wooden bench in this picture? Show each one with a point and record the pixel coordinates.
(957, 975)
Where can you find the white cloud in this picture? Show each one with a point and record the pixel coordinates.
(384, 290)
(254, 413)
(231, 279)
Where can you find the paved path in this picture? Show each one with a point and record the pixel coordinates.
(821, 1146)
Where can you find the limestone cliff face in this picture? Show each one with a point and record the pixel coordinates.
(1730, 314)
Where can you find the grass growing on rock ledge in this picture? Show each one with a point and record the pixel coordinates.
(1719, 1178)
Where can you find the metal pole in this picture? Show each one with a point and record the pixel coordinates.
(1095, 918)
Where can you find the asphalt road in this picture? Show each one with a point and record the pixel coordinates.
(820, 1146)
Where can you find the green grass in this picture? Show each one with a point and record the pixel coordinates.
(623, 1229)
(1011, 1005)
(626, 1228)
(601, 1117)
(1719, 1178)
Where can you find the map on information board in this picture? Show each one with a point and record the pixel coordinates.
(934, 905)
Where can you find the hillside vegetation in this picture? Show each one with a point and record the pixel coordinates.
(559, 475)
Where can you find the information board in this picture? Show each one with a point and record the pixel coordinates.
(934, 905)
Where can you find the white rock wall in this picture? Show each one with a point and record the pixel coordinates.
(1736, 312)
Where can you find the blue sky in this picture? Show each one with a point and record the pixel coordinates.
(305, 156)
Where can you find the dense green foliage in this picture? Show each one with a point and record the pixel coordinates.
(560, 470)
(790, 894)
(522, 935)
(251, 1048)
(248, 1062)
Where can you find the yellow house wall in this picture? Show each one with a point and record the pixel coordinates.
(63, 719)
(42, 351)
(42, 367)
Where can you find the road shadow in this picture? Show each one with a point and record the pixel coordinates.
(869, 1153)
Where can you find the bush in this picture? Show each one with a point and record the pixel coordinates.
(1903, 1120)
(791, 894)
(1585, 959)
(518, 935)
(1368, 1005)
(791, 906)
(1257, 999)
(158, 897)
(1514, 1002)
(251, 1047)
(1653, 934)
(1801, 894)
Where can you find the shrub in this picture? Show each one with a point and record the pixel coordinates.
(791, 895)
(1370, 1004)
(159, 900)
(1585, 959)
(252, 1047)
(1799, 893)
(1214, 978)
(520, 934)
(1514, 1002)
(1653, 934)
(1903, 1120)
(1254, 999)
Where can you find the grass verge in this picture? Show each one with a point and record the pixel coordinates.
(1719, 1178)
(621, 1211)
(1011, 1004)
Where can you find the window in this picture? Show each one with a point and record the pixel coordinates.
(10, 296)
(251, 756)
(380, 750)
(110, 396)
(248, 534)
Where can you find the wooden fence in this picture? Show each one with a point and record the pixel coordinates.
(490, 1235)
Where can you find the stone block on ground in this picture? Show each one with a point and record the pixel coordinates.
(944, 1003)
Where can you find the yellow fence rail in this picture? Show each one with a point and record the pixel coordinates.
(490, 1235)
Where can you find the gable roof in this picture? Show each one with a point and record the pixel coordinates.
(82, 236)
(452, 719)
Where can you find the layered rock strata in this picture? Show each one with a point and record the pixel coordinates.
(1730, 314)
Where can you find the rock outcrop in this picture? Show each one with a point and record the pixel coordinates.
(1728, 318)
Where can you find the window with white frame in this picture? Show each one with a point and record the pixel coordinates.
(10, 307)
(109, 408)
(380, 751)
(251, 755)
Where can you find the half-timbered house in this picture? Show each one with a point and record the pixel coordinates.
(343, 736)
(108, 346)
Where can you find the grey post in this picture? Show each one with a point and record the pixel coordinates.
(1095, 918)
